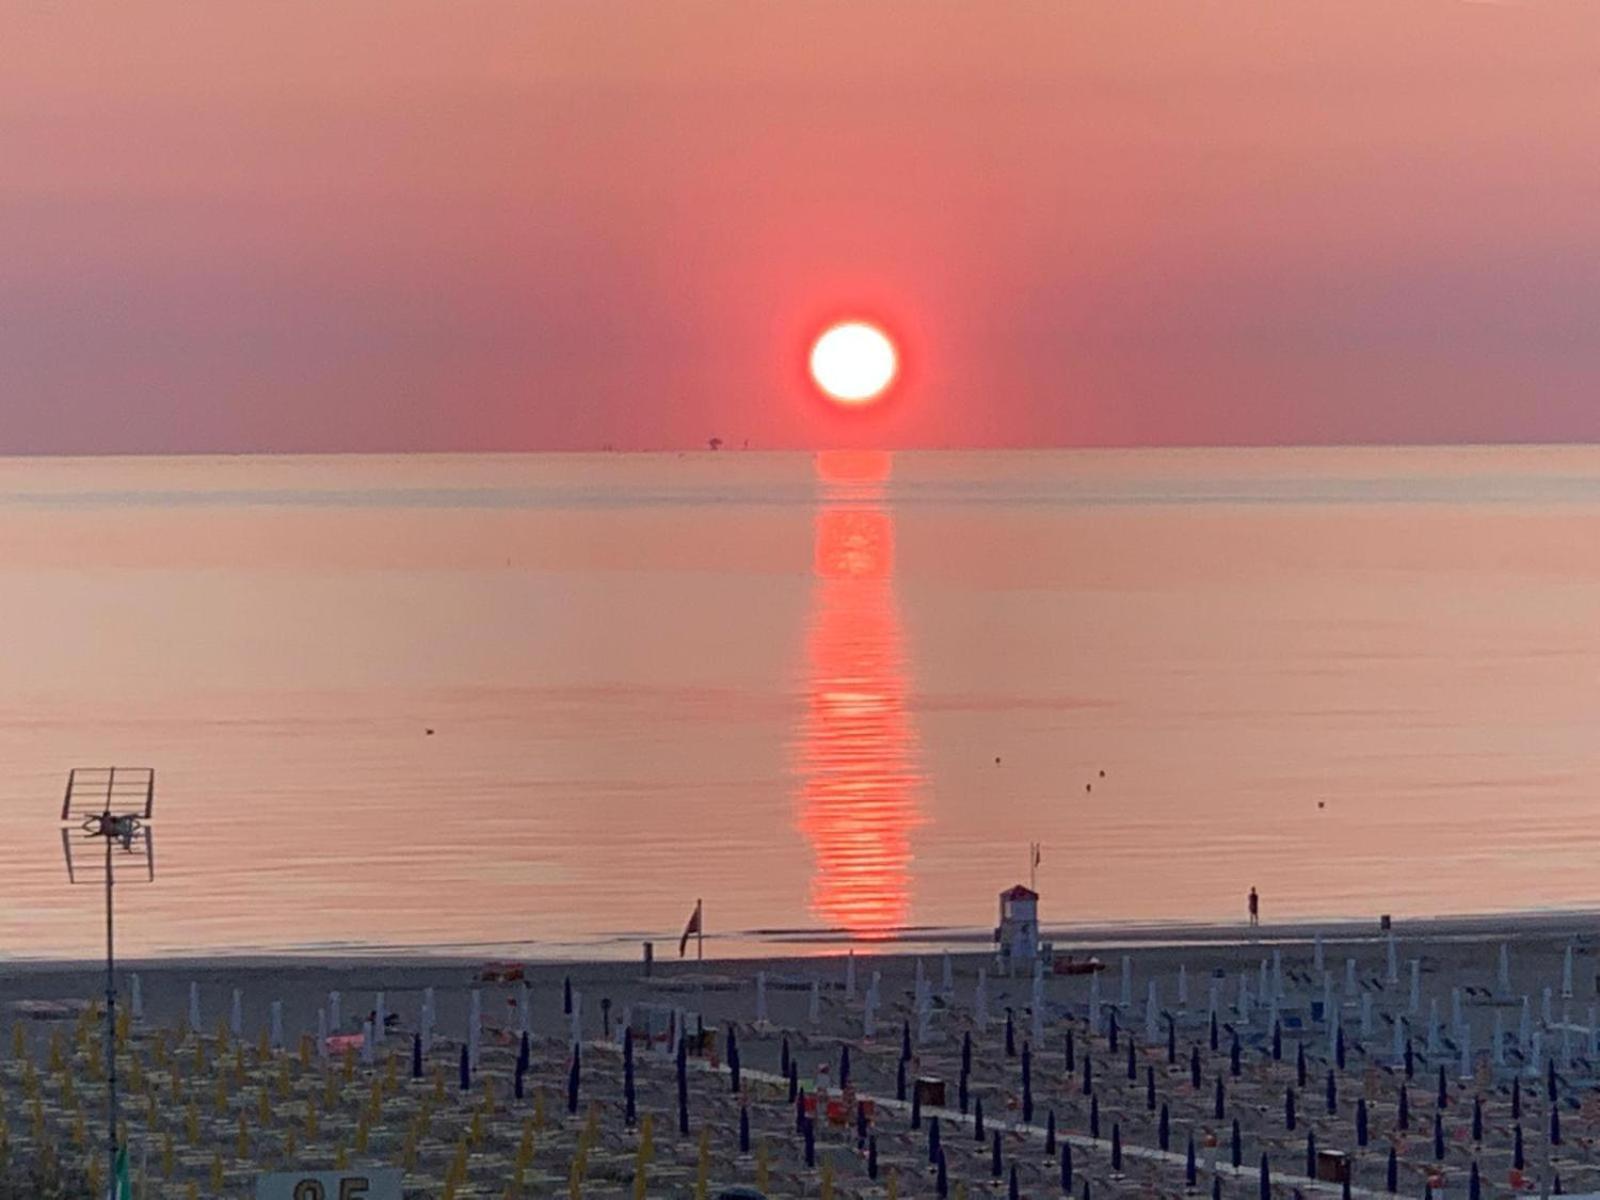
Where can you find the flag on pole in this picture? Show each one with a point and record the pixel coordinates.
(1037, 858)
(122, 1186)
(692, 929)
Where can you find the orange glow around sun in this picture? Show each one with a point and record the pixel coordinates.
(854, 363)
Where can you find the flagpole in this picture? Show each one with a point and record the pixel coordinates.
(699, 931)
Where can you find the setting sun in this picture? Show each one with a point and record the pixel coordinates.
(854, 362)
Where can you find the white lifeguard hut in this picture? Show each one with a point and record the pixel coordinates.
(1018, 931)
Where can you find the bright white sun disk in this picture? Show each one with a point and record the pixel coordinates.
(854, 362)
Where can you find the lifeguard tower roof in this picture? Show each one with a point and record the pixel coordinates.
(1019, 893)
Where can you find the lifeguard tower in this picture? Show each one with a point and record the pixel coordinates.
(1018, 931)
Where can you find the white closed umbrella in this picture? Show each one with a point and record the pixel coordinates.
(850, 974)
(1316, 953)
(335, 1022)
(1415, 999)
(236, 1014)
(948, 980)
(1151, 1030)
(1183, 987)
(924, 1008)
(814, 1011)
(1536, 1054)
(761, 997)
(1433, 1027)
(1244, 998)
(368, 1037)
(1366, 1014)
(1398, 1050)
(1350, 978)
(1455, 1008)
(1127, 982)
(1544, 1008)
(1333, 1035)
(379, 1013)
(1566, 974)
(194, 1006)
(869, 1020)
(1038, 1024)
(275, 1026)
(1277, 974)
(1524, 1024)
(322, 1033)
(1497, 1046)
(1392, 975)
(1503, 977)
(136, 998)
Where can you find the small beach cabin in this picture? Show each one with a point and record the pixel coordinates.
(1018, 931)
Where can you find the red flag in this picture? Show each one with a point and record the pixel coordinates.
(689, 930)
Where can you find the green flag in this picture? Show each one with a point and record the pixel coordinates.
(122, 1187)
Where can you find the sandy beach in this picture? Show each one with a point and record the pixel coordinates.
(207, 1108)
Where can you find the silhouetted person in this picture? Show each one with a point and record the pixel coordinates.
(1255, 907)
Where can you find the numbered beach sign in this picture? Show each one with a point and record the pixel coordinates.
(329, 1185)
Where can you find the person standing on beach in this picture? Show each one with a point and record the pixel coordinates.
(1255, 907)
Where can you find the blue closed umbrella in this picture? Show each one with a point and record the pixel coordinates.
(744, 1130)
(1333, 1094)
(466, 1070)
(1163, 1129)
(1066, 1168)
(1219, 1102)
(416, 1056)
(1116, 1146)
(1050, 1132)
(1391, 1177)
(977, 1120)
(572, 1081)
(1288, 1109)
(1094, 1116)
(997, 1170)
(1237, 1146)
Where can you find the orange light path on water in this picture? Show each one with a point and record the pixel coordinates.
(857, 748)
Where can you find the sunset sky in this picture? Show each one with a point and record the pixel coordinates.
(393, 225)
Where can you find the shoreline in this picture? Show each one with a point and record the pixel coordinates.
(758, 946)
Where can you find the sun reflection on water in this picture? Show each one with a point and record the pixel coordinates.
(857, 747)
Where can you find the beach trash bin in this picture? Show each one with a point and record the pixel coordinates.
(930, 1091)
(1333, 1166)
(1384, 924)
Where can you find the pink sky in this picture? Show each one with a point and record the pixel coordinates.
(394, 226)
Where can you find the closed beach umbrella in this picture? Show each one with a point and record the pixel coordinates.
(800, 1112)
(1050, 1132)
(1474, 1185)
(733, 1060)
(1133, 1062)
(525, 1049)
(566, 996)
(1094, 1116)
(966, 1053)
(900, 1082)
(1300, 1065)
(962, 1092)
(1011, 1036)
(1516, 1099)
(1288, 1109)
(1411, 1060)
(1311, 1154)
(1444, 1089)
(416, 1056)
(1477, 1118)
(872, 1157)
(844, 1066)
(810, 1132)
(1266, 1180)
(572, 1080)
(1194, 1067)
(1361, 1121)
(861, 1125)
(744, 1130)
(1027, 1084)
(1111, 1032)
(905, 1040)
(1391, 1178)
(1218, 1103)
(683, 1088)
(783, 1058)
(1150, 1089)
(1277, 1042)
(1338, 1047)
(1172, 1040)
(977, 1120)
(794, 1080)
(1088, 1075)
(934, 1152)
(1215, 1042)
(941, 1184)
(1555, 1127)
(916, 1108)
(1190, 1170)
(1403, 1111)
(997, 1170)
(1516, 1147)
(1333, 1095)
(466, 1070)
(1163, 1129)
(1550, 1080)
(1066, 1168)
(1438, 1137)
(1116, 1147)
(1233, 1057)
(1011, 1191)
(1236, 1146)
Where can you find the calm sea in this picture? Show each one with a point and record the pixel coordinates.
(548, 701)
